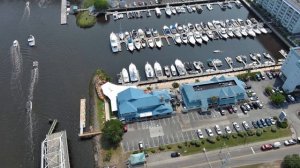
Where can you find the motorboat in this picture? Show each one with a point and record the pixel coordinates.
(217, 51)
(198, 27)
(199, 8)
(148, 32)
(178, 9)
(250, 32)
(182, 9)
(191, 38)
(130, 44)
(177, 38)
(121, 35)
(125, 75)
(216, 24)
(173, 10)
(188, 66)
(204, 26)
(229, 60)
(114, 42)
(144, 43)
(149, 71)
(189, 9)
(258, 56)
(248, 22)
(29, 106)
(148, 14)
(185, 28)
(141, 33)
(223, 33)
(31, 41)
(256, 30)
(126, 34)
(204, 37)
(262, 29)
(158, 42)
(197, 65)
(210, 70)
(133, 73)
(158, 12)
(216, 62)
(166, 30)
(230, 32)
(209, 7)
(197, 37)
(168, 10)
(237, 33)
(229, 6)
(191, 27)
(179, 28)
(173, 70)
(167, 71)
(180, 67)
(244, 58)
(241, 22)
(151, 43)
(253, 20)
(15, 43)
(173, 29)
(210, 25)
(27, 4)
(119, 77)
(238, 4)
(35, 64)
(137, 43)
(243, 31)
(239, 58)
(267, 55)
(155, 33)
(184, 38)
(209, 34)
(158, 70)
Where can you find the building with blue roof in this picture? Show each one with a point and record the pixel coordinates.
(136, 104)
(216, 92)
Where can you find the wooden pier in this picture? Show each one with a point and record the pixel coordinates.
(89, 134)
(82, 115)
(53, 125)
(63, 12)
(228, 62)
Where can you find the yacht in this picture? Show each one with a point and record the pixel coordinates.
(168, 10)
(35, 64)
(130, 44)
(158, 42)
(210, 34)
(166, 30)
(133, 73)
(15, 43)
(184, 38)
(204, 37)
(223, 33)
(173, 10)
(198, 38)
(209, 7)
(237, 33)
(191, 38)
(137, 44)
(149, 71)
(158, 12)
(158, 70)
(199, 8)
(125, 75)
(31, 40)
(177, 38)
(167, 71)
(198, 27)
(173, 70)
(180, 67)
(29, 106)
(250, 32)
(197, 65)
(230, 32)
(113, 42)
(151, 42)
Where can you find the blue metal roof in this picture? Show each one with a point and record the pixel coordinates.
(138, 158)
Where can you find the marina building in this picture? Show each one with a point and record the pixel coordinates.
(136, 104)
(291, 70)
(286, 11)
(217, 92)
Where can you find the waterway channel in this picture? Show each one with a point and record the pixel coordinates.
(67, 58)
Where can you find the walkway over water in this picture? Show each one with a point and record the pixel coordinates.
(63, 12)
(54, 152)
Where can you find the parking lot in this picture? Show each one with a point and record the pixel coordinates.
(182, 126)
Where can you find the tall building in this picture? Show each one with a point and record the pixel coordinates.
(217, 92)
(291, 70)
(286, 11)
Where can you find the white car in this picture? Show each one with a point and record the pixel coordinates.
(199, 133)
(228, 130)
(209, 132)
(218, 130)
(246, 125)
(272, 121)
(141, 145)
(236, 126)
(291, 98)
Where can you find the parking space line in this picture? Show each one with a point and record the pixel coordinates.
(252, 150)
(173, 138)
(153, 142)
(165, 121)
(192, 113)
(197, 115)
(178, 139)
(193, 135)
(133, 147)
(182, 136)
(188, 136)
(163, 140)
(128, 148)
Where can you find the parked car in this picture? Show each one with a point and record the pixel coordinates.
(227, 130)
(222, 112)
(246, 105)
(274, 74)
(291, 98)
(246, 125)
(253, 98)
(218, 130)
(262, 121)
(209, 132)
(248, 86)
(266, 147)
(125, 128)
(268, 121)
(272, 121)
(262, 76)
(236, 126)
(276, 145)
(251, 106)
(175, 154)
(257, 76)
(260, 105)
(290, 142)
(199, 133)
(234, 108)
(254, 124)
(243, 108)
(230, 110)
(141, 145)
(269, 75)
(259, 124)
(255, 105)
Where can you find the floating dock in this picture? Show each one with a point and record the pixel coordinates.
(82, 115)
(54, 152)
(63, 12)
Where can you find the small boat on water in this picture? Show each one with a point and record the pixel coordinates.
(229, 60)
(158, 70)
(198, 27)
(35, 64)
(184, 38)
(173, 10)
(148, 14)
(180, 67)
(239, 58)
(125, 75)
(191, 27)
(113, 42)
(197, 37)
(31, 41)
(197, 65)
(216, 62)
(15, 43)
(168, 10)
(250, 32)
(149, 71)
(133, 73)
(144, 43)
(262, 29)
(244, 58)
(167, 71)
(173, 29)
(223, 33)
(177, 38)
(256, 30)
(267, 55)
(217, 51)
(185, 28)
(173, 70)
(210, 26)
(158, 42)
(209, 7)
(29, 106)
(238, 4)
(166, 30)
(151, 42)
(230, 32)
(130, 44)
(243, 31)
(204, 37)
(137, 44)
(141, 33)
(210, 34)
(158, 12)
(237, 33)
(119, 77)
(191, 38)
(199, 8)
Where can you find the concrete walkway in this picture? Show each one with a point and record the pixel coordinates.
(106, 109)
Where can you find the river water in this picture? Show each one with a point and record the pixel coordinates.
(67, 57)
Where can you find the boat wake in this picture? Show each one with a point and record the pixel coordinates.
(26, 13)
(17, 68)
(43, 3)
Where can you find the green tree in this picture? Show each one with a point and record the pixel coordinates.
(101, 4)
(277, 98)
(291, 161)
(268, 90)
(113, 131)
(175, 85)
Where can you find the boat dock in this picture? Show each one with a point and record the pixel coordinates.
(125, 41)
(53, 125)
(283, 53)
(227, 59)
(54, 152)
(82, 115)
(63, 12)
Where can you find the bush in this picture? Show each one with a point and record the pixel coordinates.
(169, 146)
(268, 90)
(218, 138)
(197, 144)
(179, 146)
(273, 129)
(265, 130)
(185, 143)
(211, 140)
(107, 156)
(259, 132)
(161, 147)
(84, 20)
(135, 152)
(275, 118)
(277, 98)
(203, 142)
(283, 124)
(101, 4)
(234, 136)
(240, 134)
(226, 136)
(193, 142)
(175, 85)
(153, 151)
(250, 132)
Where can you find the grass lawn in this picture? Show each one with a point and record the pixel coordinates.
(87, 3)
(84, 20)
(100, 112)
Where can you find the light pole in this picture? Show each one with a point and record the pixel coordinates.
(204, 150)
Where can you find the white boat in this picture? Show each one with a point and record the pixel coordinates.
(114, 42)
(177, 38)
(35, 64)
(29, 106)
(15, 43)
(158, 12)
(243, 31)
(168, 10)
(137, 44)
(121, 35)
(197, 36)
(158, 42)
(173, 10)
(239, 58)
(256, 30)
(191, 38)
(125, 75)
(173, 70)
(158, 70)
(27, 4)
(166, 30)
(141, 33)
(198, 27)
(151, 42)
(204, 37)
(167, 71)
(209, 7)
(210, 26)
(149, 71)
(262, 29)
(250, 32)
(267, 55)
(197, 65)
(230, 32)
(31, 41)
(199, 8)
(223, 33)
(130, 44)
(184, 38)
(237, 33)
(217, 51)
(180, 67)
(238, 4)
(209, 34)
(133, 73)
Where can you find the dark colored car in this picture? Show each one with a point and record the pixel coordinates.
(266, 147)
(222, 112)
(262, 77)
(268, 121)
(258, 77)
(251, 105)
(175, 154)
(269, 75)
(263, 122)
(259, 124)
(255, 105)
(230, 110)
(254, 124)
(125, 128)
(248, 86)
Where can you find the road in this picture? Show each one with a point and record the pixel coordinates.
(235, 157)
